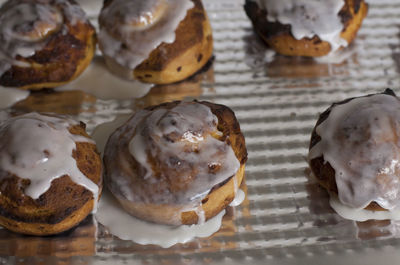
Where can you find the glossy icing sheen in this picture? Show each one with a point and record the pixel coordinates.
(26, 25)
(308, 18)
(179, 139)
(127, 227)
(187, 162)
(39, 148)
(361, 215)
(130, 30)
(360, 140)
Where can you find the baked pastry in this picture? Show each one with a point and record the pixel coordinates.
(43, 43)
(306, 28)
(176, 163)
(155, 41)
(50, 174)
(355, 153)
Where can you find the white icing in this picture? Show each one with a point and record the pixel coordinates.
(239, 198)
(175, 138)
(98, 81)
(10, 96)
(25, 27)
(360, 140)
(360, 214)
(180, 140)
(337, 57)
(39, 148)
(129, 45)
(308, 18)
(127, 227)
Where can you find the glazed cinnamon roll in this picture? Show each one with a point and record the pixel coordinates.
(50, 174)
(176, 163)
(43, 43)
(355, 153)
(306, 28)
(155, 41)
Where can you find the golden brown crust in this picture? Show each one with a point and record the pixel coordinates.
(61, 207)
(190, 51)
(65, 56)
(278, 36)
(173, 62)
(219, 197)
(322, 170)
(217, 200)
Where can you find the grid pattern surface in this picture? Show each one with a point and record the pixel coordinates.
(277, 100)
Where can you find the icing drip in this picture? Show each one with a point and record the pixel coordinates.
(131, 30)
(179, 140)
(27, 25)
(39, 148)
(308, 18)
(239, 198)
(360, 140)
(177, 160)
(361, 215)
(127, 227)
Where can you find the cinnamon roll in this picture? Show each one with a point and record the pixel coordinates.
(355, 153)
(176, 163)
(43, 43)
(306, 28)
(50, 174)
(155, 41)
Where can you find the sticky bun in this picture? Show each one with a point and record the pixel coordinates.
(43, 43)
(306, 28)
(176, 163)
(155, 41)
(50, 174)
(355, 152)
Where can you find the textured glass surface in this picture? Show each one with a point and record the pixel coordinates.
(285, 218)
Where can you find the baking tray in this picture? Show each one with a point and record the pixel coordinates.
(286, 217)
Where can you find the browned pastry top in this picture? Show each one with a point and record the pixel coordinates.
(280, 38)
(322, 169)
(171, 175)
(61, 46)
(171, 46)
(189, 33)
(61, 204)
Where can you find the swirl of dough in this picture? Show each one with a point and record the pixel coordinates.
(304, 27)
(33, 36)
(50, 174)
(131, 31)
(167, 161)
